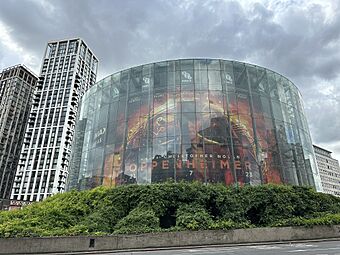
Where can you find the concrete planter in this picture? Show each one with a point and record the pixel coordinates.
(167, 239)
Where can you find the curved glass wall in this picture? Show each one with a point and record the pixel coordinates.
(210, 120)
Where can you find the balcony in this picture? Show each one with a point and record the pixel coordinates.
(71, 122)
(27, 141)
(36, 98)
(69, 134)
(74, 103)
(64, 163)
(40, 83)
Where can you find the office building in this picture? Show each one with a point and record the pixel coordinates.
(329, 170)
(17, 85)
(208, 120)
(69, 68)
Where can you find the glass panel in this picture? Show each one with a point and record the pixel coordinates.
(124, 83)
(243, 106)
(213, 64)
(187, 65)
(161, 79)
(261, 106)
(136, 80)
(272, 85)
(240, 75)
(216, 102)
(227, 76)
(214, 78)
(277, 110)
(187, 74)
(201, 64)
(201, 79)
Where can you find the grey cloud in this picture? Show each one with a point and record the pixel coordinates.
(2, 64)
(295, 39)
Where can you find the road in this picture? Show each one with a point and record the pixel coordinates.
(309, 248)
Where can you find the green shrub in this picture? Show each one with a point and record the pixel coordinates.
(193, 217)
(229, 224)
(328, 219)
(139, 220)
(171, 207)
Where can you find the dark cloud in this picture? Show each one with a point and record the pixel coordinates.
(300, 39)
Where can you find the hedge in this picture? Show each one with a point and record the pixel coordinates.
(170, 207)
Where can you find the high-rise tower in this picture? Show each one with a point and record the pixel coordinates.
(16, 90)
(329, 171)
(69, 68)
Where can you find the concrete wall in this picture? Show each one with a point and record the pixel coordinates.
(168, 239)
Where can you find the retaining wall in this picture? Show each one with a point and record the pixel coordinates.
(167, 239)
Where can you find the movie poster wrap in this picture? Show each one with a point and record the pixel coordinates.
(203, 136)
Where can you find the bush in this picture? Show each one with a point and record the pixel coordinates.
(139, 220)
(229, 224)
(193, 217)
(170, 207)
(328, 219)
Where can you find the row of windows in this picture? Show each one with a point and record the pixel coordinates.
(58, 65)
(18, 88)
(327, 162)
(48, 117)
(15, 87)
(39, 177)
(322, 152)
(45, 138)
(43, 161)
(330, 186)
(138, 80)
(53, 98)
(232, 104)
(58, 81)
(34, 197)
(212, 81)
(324, 172)
(72, 48)
(62, 48)
(329, 179)
(18, 72)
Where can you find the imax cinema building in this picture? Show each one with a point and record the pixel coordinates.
(207, 120)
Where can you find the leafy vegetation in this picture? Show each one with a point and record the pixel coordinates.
(170, 207)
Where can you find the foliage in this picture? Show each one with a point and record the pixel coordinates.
(327, 219)
(171, 207)
(193, 217)
(139, 220)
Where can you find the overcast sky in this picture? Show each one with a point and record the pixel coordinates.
(298, 38)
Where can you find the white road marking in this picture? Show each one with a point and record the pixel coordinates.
(319, 249)
(297, 251)
(265, 247)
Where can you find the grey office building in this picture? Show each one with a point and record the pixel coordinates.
(69, 68)
(329, 170)
(17, 84)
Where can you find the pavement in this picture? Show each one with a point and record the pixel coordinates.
(303, 248)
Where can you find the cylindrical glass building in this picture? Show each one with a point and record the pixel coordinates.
(210, 120)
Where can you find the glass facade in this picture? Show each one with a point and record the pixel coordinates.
(210, 120)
